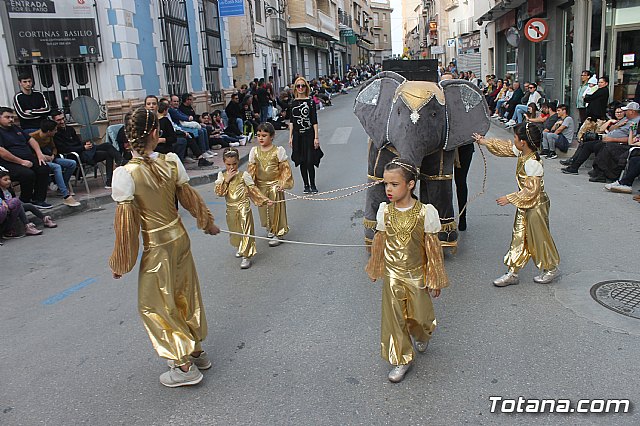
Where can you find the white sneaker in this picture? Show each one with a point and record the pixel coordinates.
(238, 255)
(207, 155)
(189, 160)
(507, 279)
(243, 141)
(275, 241)
(175, 377)
(398, 372)
(510, 123)
(547, 276)
(245, 263)
(618, 187)
(53, 187)
(234, 144)
(495, 116)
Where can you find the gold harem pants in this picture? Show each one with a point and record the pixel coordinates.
(273, 218)
(531, 238)
(240, 219)
(406, 311)
(169, 298)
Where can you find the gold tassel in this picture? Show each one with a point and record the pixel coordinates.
(286, 177)
(369, 224)
(193, 202)
(127, 228)
(449, 226)
(436, 273)
(375, 266)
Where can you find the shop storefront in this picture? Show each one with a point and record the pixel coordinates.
(469, 53)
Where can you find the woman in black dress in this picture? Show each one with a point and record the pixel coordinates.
(303, 135)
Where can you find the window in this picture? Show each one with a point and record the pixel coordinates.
(212, 48)
(259, 11)
(386, 40)
(384, 16)
(175, 43)
(376, 19)
(63, 82)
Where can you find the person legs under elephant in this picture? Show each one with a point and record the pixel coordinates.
(465, 155)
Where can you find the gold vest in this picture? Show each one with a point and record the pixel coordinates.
(404, 252)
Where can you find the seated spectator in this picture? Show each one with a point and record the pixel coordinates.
(534, 97)
(631, 171)
(31, 106)
(226, 134)
(12, 209)
(235, 114)
(532, 112)
(612, 158)
(618, 119)
(21, 155)
(62, 168)
(250, 117)
(593, 146)
(543, 120)
(499, 110)
(560, 135)
(186, 107)
(493, 95)
(187, 122)
(67, 141)
(516, 99)
(171, 141)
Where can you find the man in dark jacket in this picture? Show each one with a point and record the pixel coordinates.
(186, 107)
(31, 106)
(235, 114)
(68, 141)
(516, 99)
(21, 155)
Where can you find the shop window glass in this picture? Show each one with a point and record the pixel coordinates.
(46, 75)
(568, 55)
(81, 73)
(64, 77)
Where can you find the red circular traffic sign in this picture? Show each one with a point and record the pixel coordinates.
(536, 30)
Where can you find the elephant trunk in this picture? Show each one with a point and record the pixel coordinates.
(436, 189)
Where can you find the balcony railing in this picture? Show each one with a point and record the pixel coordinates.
(277, 29)
(344, 19)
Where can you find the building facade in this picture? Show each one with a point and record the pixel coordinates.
(119, 50)
(462, 35)
(382, 49)
(602, 36)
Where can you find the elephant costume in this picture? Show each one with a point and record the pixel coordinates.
(423, 122)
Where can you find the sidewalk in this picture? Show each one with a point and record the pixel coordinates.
(100, 196)
(497, 127)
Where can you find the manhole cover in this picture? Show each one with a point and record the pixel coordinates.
(621, 296)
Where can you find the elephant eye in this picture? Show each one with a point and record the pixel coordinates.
(433, 114)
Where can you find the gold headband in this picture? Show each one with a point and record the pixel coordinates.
(407, 167)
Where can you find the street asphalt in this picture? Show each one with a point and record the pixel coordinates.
(295, 339)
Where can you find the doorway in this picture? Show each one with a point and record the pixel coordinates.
(625, 66)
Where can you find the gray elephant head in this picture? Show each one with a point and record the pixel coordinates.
(419, 117)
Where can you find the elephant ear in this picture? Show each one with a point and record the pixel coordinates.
(373, 104)
(467, 112)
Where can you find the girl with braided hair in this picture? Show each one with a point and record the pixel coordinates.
(169, 301)
(531, 237)
(407, 254)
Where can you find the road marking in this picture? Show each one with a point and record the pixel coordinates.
(68, 292)
(340, 136)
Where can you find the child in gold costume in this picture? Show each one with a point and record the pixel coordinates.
(406, 252)
(531, 237)
(169, 299)
(237, 190)
(270, 170)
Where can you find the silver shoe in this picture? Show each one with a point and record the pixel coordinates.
(201, 361)
(547, 276)
(275, 241)
(246, 263)
(238, 255)
(398, 372)
(270, 234)
(421, 346)
(175, 377)
(507, 279)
